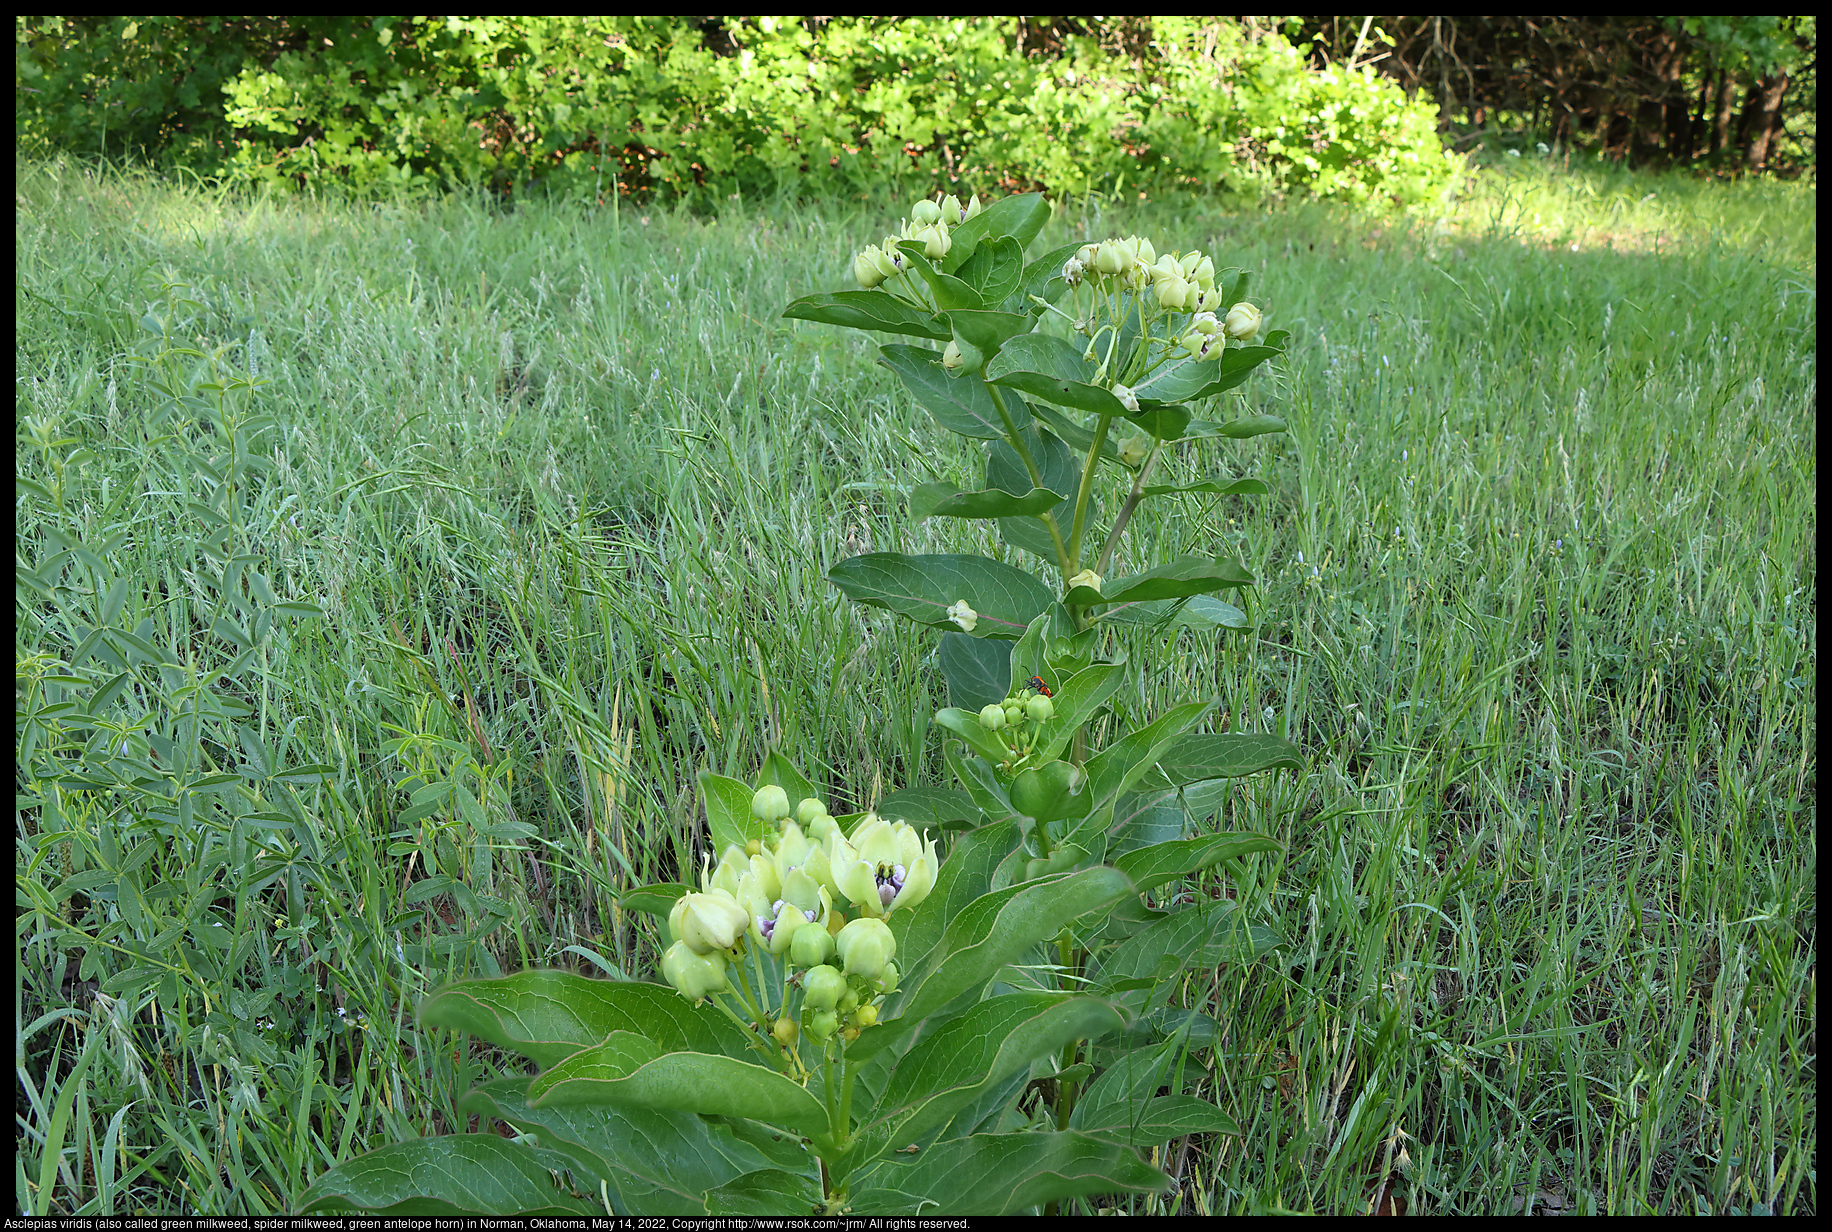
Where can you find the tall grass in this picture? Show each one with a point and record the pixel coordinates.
(1537, 600)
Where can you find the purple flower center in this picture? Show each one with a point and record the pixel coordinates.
(890, 883)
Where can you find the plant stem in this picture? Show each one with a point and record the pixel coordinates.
(1081, 496)
(1126, 510)
(1030, 465)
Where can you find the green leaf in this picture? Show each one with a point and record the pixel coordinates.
(943, 808)
(1197, 756)
(658, 899)
(960, 403)
(964, 879)
(993, 271)
(951, 1066)
(966, 725)
(1234, 487)
(657, 1163)
(1051, 368)
(1165, 421)
(1180, 578)
(1116, 768)
(458, 1174)
(779, 771)
(1150, 867)
(1123, 1103)
(999, 928)
(766, 1192)
(1196, 612)
(728, 811)
(988, 330)
(1209, 935)
(628, 1068)
(1000, 1174)
(949, 291)
(1050, 792)
(1079, 437)
(1160, 1119)
(1236, 429)
(549, 1015)
(975, 668)
(1043, 279)
(1190, 380)
(1020, 216)
(1076, 699)
(874, 309)
(925, 587)
(944, 500)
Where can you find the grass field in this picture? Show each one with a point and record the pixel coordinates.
(1538, 602)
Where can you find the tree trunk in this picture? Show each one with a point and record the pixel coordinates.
(1720, 128)
(1764, 120)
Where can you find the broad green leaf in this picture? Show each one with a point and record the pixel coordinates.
(988, 330)
(1212, 487)
(1166, 421)
(944, 808)
(966, 725)
(1196, 612)
(944, 500)
(924, 587)
(1042, 279)
(1116, 768)
(1078, 436)
(949, 291)
(1191, 380)
(981, 782)
(1020, 216)
(458, 1174)
(766, 1192)
(1076, 699)
(1162, 1118)
(964, 878)
(1195, 939)
(1000, 1174)
(994, 271)
(781, 772)
(1150, 867)
(1053, 369)
(1236, 429)
(1180, 578)
(949, 1067)
(658, 899)
(1197, 756)
(657, 1163)
(627, 1068)
(549, 1015)
(1050, 792)
(874, 309)
(960, 403)
(975, 668)
(728, 811)
(999, 928)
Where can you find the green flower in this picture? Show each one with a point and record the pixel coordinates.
(865, 947)
(693, 975)
(708, 922)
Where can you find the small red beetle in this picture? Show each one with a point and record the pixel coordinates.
(1036, 685)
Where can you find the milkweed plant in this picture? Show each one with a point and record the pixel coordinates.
(852, 1021)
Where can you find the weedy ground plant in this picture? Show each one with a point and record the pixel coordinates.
(858, 1022)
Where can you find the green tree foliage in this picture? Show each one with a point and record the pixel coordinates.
(703, 109)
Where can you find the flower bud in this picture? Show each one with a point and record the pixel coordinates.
(1072, 271)
(1204, 274)
(1243, 322)
(865, 268)
(809, 809)
(1133, 450)
(864, 946)
(887, 979)
(867, 1016)
(771, 803)
(1040, 709)
(785, 1031)
(1109, 259)
(974, 206)
(1014, 713)
(810, 947)
(1127, 398)
(935, 241)
(951, 212)
(1208, 300)
(822, 987)
(693, 975)
(992, 716)
(952, 359)
(1172, 292)
(925, 212)
(960, 613)
(821, 1024)
(708, 922)
(1088, 578)
(1188, 263)
(1142, 250)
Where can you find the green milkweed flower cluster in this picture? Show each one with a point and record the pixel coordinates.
(788, 898)
(1016, 721)
(929, 224)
